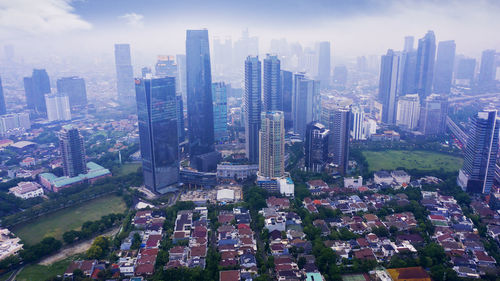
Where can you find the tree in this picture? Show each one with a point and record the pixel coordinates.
(301, 262)
(94, 252)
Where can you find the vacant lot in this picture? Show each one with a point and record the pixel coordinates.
(420, 160)
(57, 223)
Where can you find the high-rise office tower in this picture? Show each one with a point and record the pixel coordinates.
(357, 120)
(199, 94)
(72, 151)
(157, 117)
(222, 56)
(487, 71)
(324, 64)
(273, 98)
(252, 106)
(58, 108)
(465, 71)
(306, 103)
(388, 86)
(166, 66)
(408, 82)
(445, 61)
(316, 147)
(340, 76)
(336, 117)
(181, 70)
(219, 95)
(124, 73)
(74, 88)
(433, 113)
(3, 108)
(35, 88)
(272, 145)
(408, 112)
(478, 171)
(287, 93)
(426, 54)
(181, 133)
(245, 46)
(361, 64)
(145, 71)
(408, 44)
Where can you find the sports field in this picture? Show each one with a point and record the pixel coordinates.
(420, 160)
(55, 224)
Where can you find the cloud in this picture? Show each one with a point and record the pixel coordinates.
(133, 19)
(40, 17)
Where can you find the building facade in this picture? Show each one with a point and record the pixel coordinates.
(287, 93)
(273, 98)
(124, 73)
(35, 88)
(336, 118)
(3, 108)
(324, 64)
(433, 115)
(426, 54)
(219, 95)
(58, 107)
(388, 86)
(252, 107)
(74, 88)
(316, 147)
(272, 145)
(306, 103)
(408, 112)
(445, 61)
(72, 151)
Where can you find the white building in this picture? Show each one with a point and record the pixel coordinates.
(286, 186)
(8, 245)
(353, 182)
(400, 177)
(369, 128)
(26, 190)
(383, 177)
(408, 112)
(240, 172)
(58, 108)
(358, 117)
(225, 195)
(16, 121)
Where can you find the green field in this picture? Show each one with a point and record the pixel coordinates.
(420, 160)
(36, 272)
(55, 224)
(127, 168)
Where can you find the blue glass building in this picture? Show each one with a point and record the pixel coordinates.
(273, 98)
(253, 106)
(35, 88)
(3, 109)
(219, 95)
(426, 54)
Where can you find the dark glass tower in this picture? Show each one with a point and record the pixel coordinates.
(273, 98)
(487, 71)
(465, 70)
(219, 95)
(306, 103)
(3, 109)
(388, 86)
(74, 88)
(433, 113)
(157, 116)
(199, 94)
(35, 88)
(287, 93)
(425, 65)
(316, 147)
(337, 119)
(478, 171)
(444, 67)
(324, 64)
(124, 73)
(180, 119)
(253, 105)
(72, 151)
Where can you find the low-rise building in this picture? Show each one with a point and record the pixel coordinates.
(26, 190)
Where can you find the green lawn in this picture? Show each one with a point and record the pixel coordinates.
(55, 224)
(36, 272)
(127, 168)
(420, 160)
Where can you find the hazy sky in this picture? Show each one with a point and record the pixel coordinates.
(355, 27)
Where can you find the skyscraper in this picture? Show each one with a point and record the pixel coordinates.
(306, 103)
(252, 107)
(426, 54)
(272, 145)
(433, 115)
(465, 71)
(409, 44)
(487, 71)
(219, 95)
(444, 67)
(478, 171)
(357, 121)
(336, 117)
(74, 88)
(316, 147)
(287, 93)
(408, 112)
(181, 133)
(388, 86)
(408, 79)
(273, 99)
(324, 64)
(58, 108)
(157, 117)
(124, 73)
(199, 94)
(3, 108)
(340, 76)
(35, 88)
(181, 70)
(166, 66)
(72, 151)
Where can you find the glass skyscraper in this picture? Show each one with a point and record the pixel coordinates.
(157, 116)
(481, 151)
(324, 64)
(3, 109)
(444, 67)
(426, 54)
(124, 72)
(273, 99)
(219, 95)
(35, 88)
(287, 94)
(306, 103)
(336, 117)
(72, 151)
(388, 86)
(199, 94)
(74, 88)
(316, 147)
(253, 106)
(487, 71)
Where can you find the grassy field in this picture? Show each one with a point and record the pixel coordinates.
(420, 160)
(36, 272)
(127, 168)
(55, 224)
